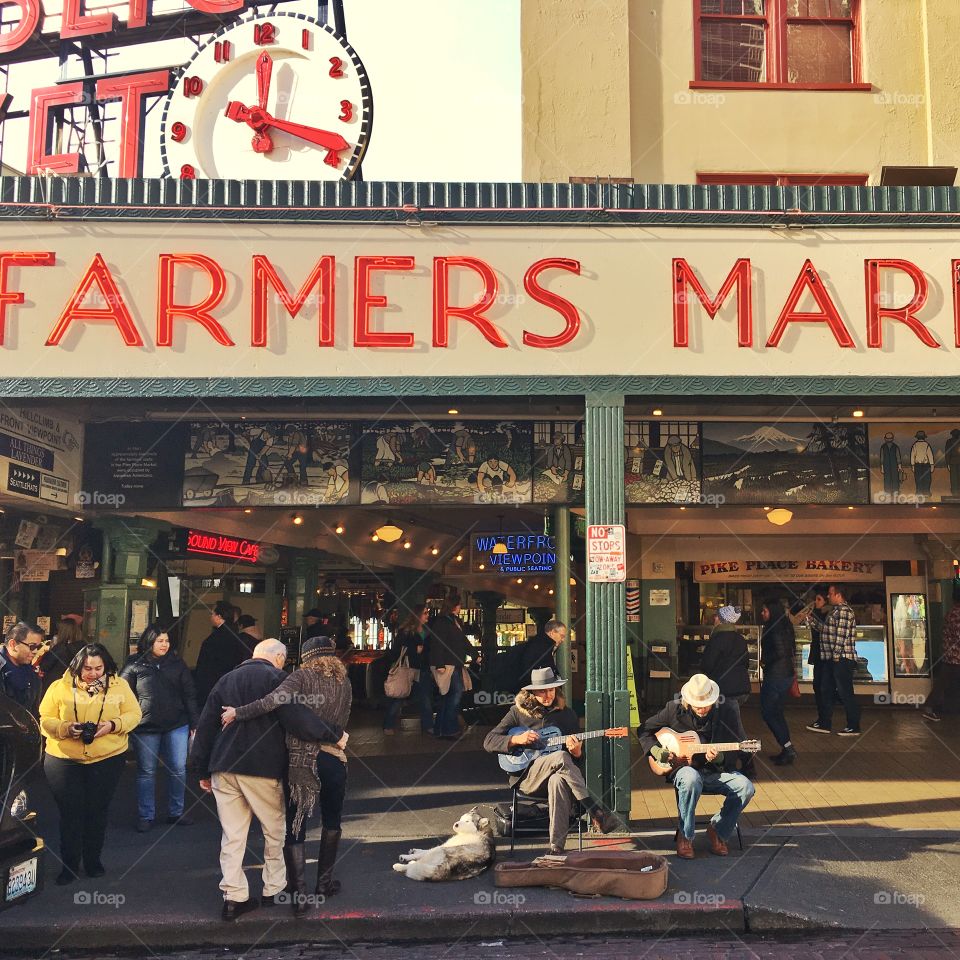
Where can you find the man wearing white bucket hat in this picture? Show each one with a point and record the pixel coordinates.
(556, 775)
(700, 709)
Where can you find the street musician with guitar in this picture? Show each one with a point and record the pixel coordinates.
(547, 765)
(694, 742)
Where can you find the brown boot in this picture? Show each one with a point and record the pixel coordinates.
(684, 847)
(326, 858)
(717, 846)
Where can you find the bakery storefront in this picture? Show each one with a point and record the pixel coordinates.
(690, 363)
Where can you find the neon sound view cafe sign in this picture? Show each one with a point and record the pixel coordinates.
(525, 553)
(221, 546)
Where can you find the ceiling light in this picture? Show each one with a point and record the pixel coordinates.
(658, 412)
(389, 532)
(550, 591)
(434, 551)
(78, 519)
(248, 510)
(573, 581)
(459, 558)
(453, 411)
(519, 579)
(61, 551)
(407, 545)
(780, 516)
(339, 528)
(374, 537)
(297, 519)
(858, 413)
(849, 508)
(483, 566)
(766, 508)
(536, 586)
(683, 508)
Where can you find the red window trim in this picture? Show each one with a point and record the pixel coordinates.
(785, 179)
(776, 20)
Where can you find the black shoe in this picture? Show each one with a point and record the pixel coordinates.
(817, 727)
(785, 757)
(848, 732)
(326, 858)
(931, 715)
(267, 900)
(94, 870)
(603, 820)
(144, 826)
(182, 821)
(66, 876)
(232, 909)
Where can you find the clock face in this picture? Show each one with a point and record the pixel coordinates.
(278, 97)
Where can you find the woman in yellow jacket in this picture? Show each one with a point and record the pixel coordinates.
(86, 717)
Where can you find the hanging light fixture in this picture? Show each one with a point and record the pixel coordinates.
(780, 516)
(389, 532)
(500, 547)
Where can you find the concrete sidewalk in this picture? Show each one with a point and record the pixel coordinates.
(161, 887)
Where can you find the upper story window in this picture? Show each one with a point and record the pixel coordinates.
(786, 179)
(801, 43)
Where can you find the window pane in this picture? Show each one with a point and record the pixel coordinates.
(818, 53)
(736, 8)
(818, 9)
(735, 52)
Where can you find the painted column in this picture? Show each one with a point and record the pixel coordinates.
(490, 601)
(607, 699)
(561, 587)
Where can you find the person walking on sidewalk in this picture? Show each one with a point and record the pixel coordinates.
(948, 671)
(244, 765)
(449, 649)
(19, 679)
(838, 654)
(219, 653)
(556, 775)
(317, 770)
(823, 697)
(86, 717)
(412, 638)
(700, 710)
(163, 686)
(778, 645)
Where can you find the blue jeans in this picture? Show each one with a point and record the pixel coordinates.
(447, 722)
(421, 695)
(773, 695)
(690, 784)
(171, 747)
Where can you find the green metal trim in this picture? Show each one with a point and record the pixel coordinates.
(661, 387)
(92, 198)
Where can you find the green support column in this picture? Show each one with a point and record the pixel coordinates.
(607, 699)
(302, 588)
(561, 588)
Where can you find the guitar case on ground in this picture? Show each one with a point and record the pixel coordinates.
(632, 875)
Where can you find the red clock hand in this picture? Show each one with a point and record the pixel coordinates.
(261, 139)
(258, 119)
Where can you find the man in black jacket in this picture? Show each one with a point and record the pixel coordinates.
(18, 679)
(699, 710)
(243, 766)
(556, 775)
(220, 652)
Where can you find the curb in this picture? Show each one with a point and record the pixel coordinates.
(583, 917)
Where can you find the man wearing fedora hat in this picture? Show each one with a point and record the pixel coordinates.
(701, 710)
(557, 775)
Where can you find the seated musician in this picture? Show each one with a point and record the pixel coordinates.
(554, 775)
(699, 711)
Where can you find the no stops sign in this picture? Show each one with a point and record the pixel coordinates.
(606, 553)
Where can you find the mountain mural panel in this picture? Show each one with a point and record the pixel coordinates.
(782, 463)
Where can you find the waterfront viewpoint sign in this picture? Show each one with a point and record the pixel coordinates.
(142, 298)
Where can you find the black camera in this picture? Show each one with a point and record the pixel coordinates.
(88, 731)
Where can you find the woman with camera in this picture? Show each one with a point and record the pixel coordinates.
(164, 688)
(86, 717)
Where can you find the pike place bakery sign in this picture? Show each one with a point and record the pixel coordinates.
(155, 298)
(804, 570)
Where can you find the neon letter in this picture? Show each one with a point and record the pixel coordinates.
(876, 313)
(442, 311)
(264, 277)
(563, 306)
(740, 276)
(810, 280)
(364, 301)
(167, 308)
(17, 259)
(130, 89)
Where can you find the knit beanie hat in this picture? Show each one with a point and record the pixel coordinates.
(317, 647)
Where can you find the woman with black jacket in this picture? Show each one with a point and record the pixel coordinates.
(449, 651)
(777, 651)
(412, 639)
(164, 688)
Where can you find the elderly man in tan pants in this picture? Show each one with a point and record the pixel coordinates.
(244, 765)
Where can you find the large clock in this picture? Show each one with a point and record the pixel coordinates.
(278, 97)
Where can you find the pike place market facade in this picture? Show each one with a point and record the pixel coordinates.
(759, 383)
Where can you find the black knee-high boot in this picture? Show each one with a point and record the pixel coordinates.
(329, 842)
(293, 857)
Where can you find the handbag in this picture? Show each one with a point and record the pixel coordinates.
(794, 690)
(400, 679)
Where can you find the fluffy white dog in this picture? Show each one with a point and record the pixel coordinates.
(466, 854)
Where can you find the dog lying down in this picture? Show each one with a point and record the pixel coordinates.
(466, 854)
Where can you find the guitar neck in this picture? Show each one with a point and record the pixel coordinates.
(588, 735)
(719, 747)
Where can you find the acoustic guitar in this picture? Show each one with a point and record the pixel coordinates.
(551, 740)
(688, 750)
